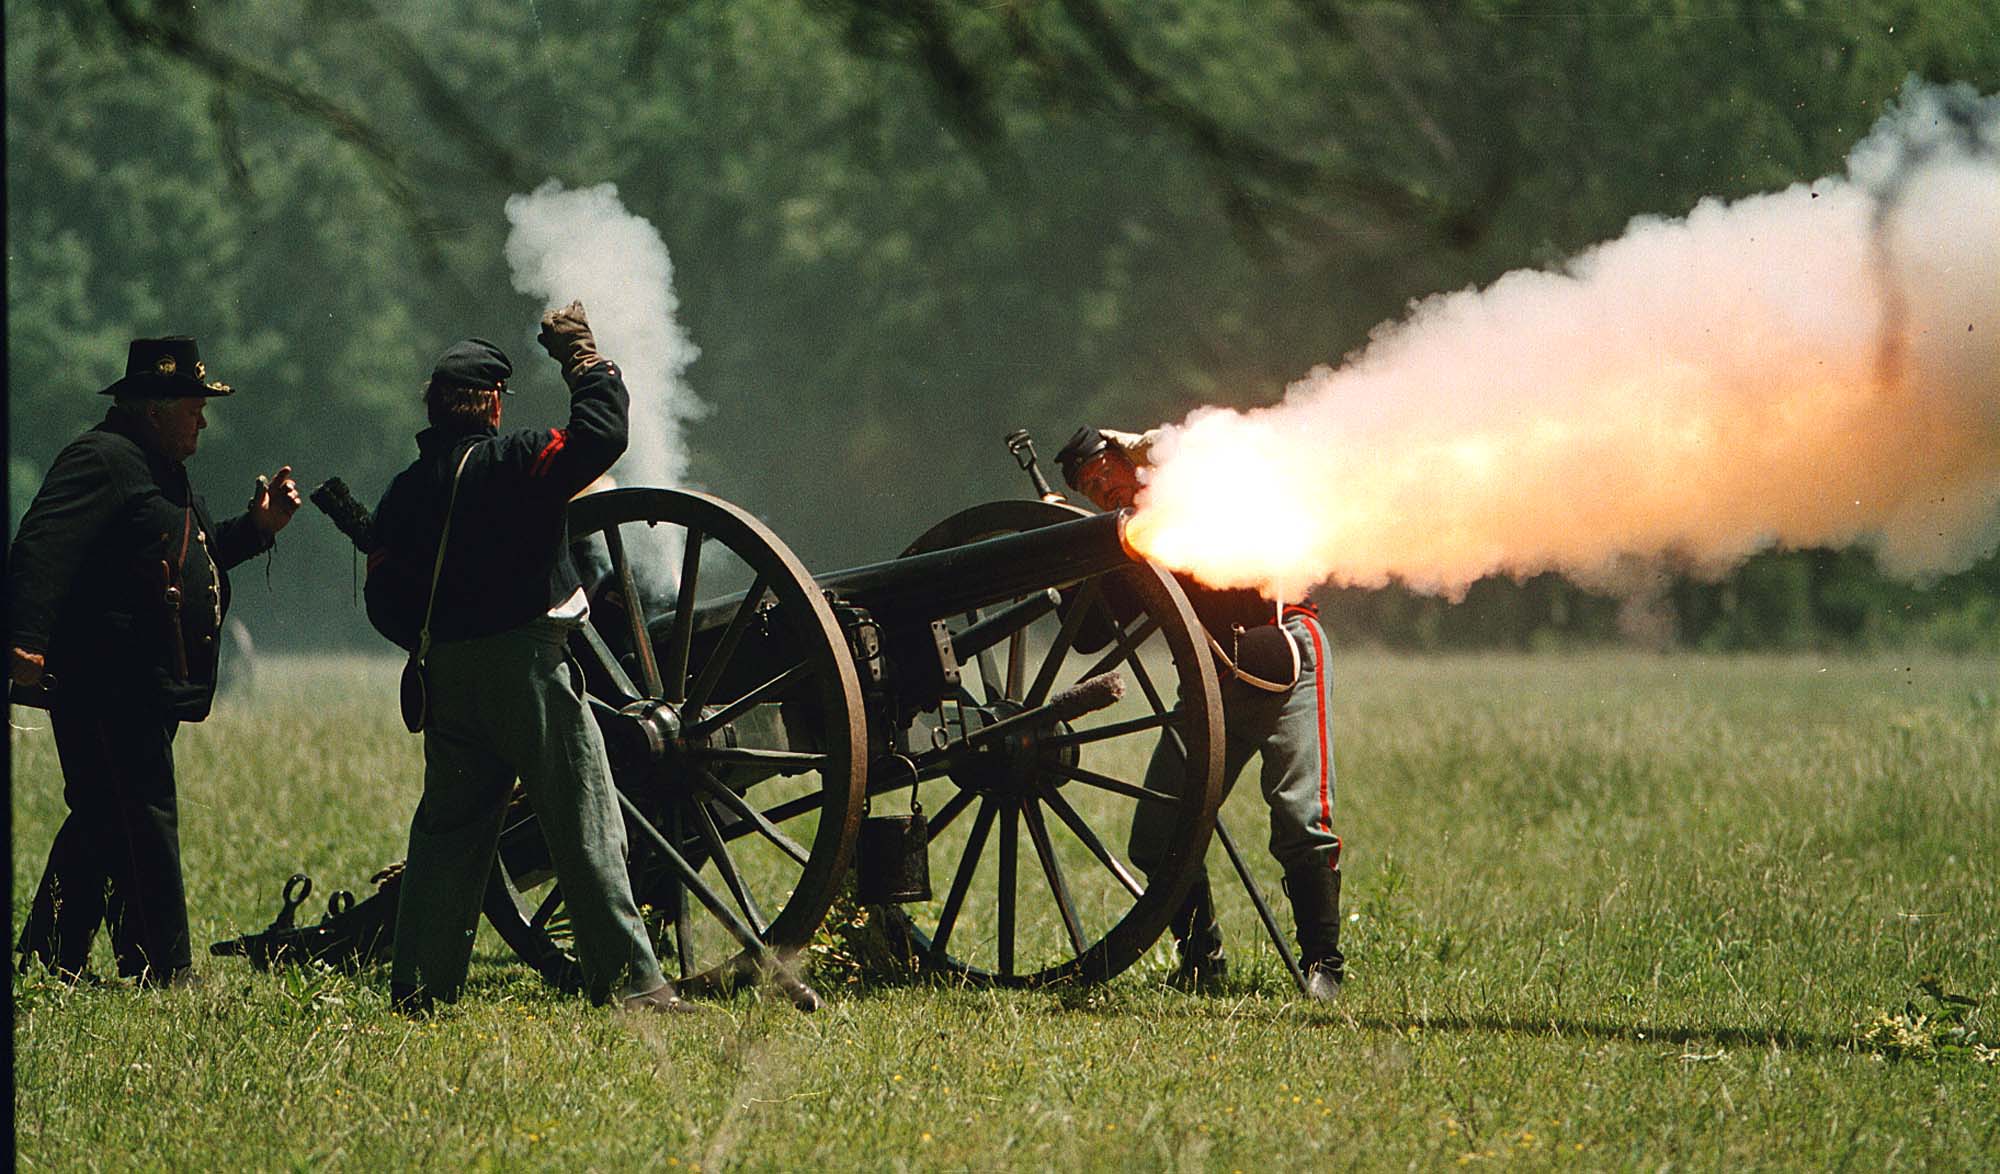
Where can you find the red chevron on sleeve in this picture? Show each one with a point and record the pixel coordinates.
(547, 456)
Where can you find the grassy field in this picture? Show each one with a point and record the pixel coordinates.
(1606, 912)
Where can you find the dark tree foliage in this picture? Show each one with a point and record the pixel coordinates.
(902, 228)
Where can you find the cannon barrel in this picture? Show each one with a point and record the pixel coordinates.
(924, 587)
(955, 580)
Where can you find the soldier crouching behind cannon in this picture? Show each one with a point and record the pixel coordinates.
(1276, 682)
(119, 585)
(497, 605)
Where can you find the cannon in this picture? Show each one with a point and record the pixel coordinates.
(981, 708)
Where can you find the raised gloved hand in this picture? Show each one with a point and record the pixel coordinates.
(1137, 445)
(566, 336)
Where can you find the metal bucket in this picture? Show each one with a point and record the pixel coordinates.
(892, 862)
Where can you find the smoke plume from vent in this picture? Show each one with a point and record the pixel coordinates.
(583, 244)
(1813, 366)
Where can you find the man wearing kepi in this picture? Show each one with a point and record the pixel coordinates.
(118, 587)
(505, 702)
(1276, 683)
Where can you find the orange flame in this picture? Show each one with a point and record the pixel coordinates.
(1701, 386)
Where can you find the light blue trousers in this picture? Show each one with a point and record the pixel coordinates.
(504, 707)
(1293, 731)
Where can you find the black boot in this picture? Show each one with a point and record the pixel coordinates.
(1315, 893)
(1197, 941)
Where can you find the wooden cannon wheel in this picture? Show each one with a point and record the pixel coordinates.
(1070, 905)
(735, 730)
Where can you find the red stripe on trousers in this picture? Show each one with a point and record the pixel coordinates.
(1319, 689)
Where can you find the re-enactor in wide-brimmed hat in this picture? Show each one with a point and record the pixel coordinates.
(119, 585)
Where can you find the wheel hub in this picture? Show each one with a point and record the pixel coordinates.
(1015, 763)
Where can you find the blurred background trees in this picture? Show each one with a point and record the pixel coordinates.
(902, 228)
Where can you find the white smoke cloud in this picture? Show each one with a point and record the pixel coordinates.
(583, 244)
(1812, 366)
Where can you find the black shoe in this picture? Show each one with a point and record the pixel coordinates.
(1315, 893)
(80, 979)
(797, 991)
(662, 999)
(1323, 980)
(1197, 941)
(1199, 971)
(179, 978)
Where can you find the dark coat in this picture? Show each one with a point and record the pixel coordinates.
(508, 560)
(114, 525)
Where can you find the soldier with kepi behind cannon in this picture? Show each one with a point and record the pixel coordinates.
(1276, 685)
(479, 518)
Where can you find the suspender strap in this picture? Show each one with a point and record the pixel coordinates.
(437, 568)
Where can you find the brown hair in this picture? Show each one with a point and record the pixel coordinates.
(455, 403)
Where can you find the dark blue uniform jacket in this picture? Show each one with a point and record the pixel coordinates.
(508, 560)
(114, 525)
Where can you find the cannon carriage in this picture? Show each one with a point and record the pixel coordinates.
(981, 709)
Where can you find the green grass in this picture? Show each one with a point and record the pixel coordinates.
(1606, 912)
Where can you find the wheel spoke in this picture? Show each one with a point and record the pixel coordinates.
(793, 808)
(1080, 608)
(1127, 646)
(593, 643)
(961, 881)
(635, 609)
(675, 676)
(1152, 692)
(1010, 847)
(1038, 834)
(950, 811)
(705, 824)
(691, 880)
(1090, 840)
(1091, 778)
(742, 809)
(725, 648)
(1017, 664)
(743, 704)
(547, 908)
(1107, 732)
(682, 910)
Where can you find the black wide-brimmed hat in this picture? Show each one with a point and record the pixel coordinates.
(166, 368)
(473, 363)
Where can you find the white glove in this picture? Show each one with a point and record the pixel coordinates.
(1137, 445)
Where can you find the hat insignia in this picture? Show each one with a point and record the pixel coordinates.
(165, 366)
(200, 370)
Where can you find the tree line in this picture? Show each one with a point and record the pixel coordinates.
(902, 229)
(1819, 599)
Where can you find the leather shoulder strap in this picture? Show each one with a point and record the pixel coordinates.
(437, 568)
